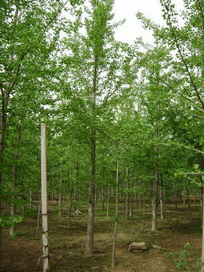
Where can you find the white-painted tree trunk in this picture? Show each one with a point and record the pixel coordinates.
(45, 256)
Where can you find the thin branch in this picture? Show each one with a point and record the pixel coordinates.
(108, 135)
(108, 96)
(186, 147)
(183, 59)
(191, 173)
(17, 71)
(202, 14)
(182, 95)
(55, 16)
(198, 116)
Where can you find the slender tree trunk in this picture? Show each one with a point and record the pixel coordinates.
(90, 226)
(5, 95)
(188, 199)
(38, 218)
(127, 194)
(2, 133)
(3, 120)
(108, 203)
(131, 196)
(116, 211)
(154, 202)
(161, 203)
(70, 196)
(60, 196)
(175, 195)
(77, 188)
(202, 256)
(91, 190)
(30, 198)
(44, 199)
(102, 199)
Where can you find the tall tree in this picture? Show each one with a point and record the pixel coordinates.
(26, 44)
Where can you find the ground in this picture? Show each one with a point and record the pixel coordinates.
(176, 246)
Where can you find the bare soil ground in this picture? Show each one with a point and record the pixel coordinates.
(178, 243)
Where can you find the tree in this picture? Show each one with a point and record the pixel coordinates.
(26, 45)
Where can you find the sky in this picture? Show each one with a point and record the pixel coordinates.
(132, 28)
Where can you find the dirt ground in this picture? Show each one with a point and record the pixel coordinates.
(176, 246)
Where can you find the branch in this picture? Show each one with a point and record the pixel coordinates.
(109, 136)
(55, 16)
(193, 174)
(182, 95)
(186, 147)
(183, 59)
(17, 71)
(198, 116)
(27, 51)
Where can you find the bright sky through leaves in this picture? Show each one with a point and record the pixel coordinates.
(132, 28)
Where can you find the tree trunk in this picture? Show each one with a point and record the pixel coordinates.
(131, 196)
(38, 218)
(60, 196)
(102, 199)
(127, 194)
(90, 226)
(91, 190)
(202, 256)
(188, 199)
(116, 211)
(77, 189)
(108, 203)
(70, 196)
(45, 256)
(30, 199)
(175, 195)
(154, 202)
(3, 119)
(161, 203)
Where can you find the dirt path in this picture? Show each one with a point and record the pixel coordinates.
(180, 228)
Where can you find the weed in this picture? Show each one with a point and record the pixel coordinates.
(183, 260)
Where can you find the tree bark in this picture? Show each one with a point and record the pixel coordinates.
(161, 203)
(127, 194)
(60, 196)
(91, 190)
(154, 202)
(70, 196)
(108, 203)
(116, 210)
(202, 255)
(45, 256)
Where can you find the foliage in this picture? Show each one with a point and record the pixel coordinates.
(8, 221)
(183, 260)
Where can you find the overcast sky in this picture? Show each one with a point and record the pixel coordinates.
(132, 28)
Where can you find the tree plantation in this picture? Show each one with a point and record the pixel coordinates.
(101, 142)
